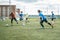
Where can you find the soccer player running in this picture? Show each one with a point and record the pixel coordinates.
(12, 17)
(21, 16)
(20, 13)
(27, 17)
(53, 17)
(43, 19)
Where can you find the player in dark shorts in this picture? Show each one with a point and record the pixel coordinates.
(12, 17)
(53, 16)
(43, 19)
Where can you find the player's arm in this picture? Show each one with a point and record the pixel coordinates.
(40, 16)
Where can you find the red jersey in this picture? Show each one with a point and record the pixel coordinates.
(12, 15)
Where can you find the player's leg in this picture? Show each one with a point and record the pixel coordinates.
(11, 20)
(41, 22)
(21, 19)
(15, 20)
(48, 23)
(53, 21)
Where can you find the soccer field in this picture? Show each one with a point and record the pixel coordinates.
(31, 31)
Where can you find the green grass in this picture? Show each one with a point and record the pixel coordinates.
(31, 31)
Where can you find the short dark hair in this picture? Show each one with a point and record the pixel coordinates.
(21, 11)
(39, 10)
(18, 9)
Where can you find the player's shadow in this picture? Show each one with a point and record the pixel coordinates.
(42, 28)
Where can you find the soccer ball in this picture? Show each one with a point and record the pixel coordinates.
(7, 25)
(23, 24)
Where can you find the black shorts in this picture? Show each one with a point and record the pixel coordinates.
(21, 19)
(45, 20)
(53, 19)
(40, 18)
